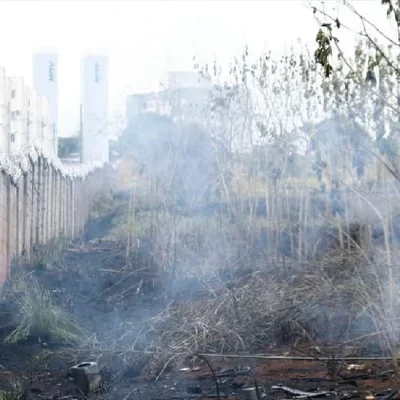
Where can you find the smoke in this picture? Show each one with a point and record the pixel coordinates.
(230, 212)
(249, 224)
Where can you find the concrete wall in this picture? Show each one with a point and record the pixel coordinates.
(94, 91)
(41, 202)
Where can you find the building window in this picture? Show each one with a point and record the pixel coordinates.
(17, 113)
(13, 115)
(12, 138)
(13, 93)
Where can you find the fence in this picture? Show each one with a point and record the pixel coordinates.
(40, 199)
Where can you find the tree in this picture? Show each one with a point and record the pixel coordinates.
(373, 70)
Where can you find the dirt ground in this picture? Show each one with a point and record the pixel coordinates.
(92, 285)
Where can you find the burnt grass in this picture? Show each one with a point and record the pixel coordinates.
(93, 283)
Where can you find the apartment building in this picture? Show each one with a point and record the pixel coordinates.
(19, 99)
(24, 115)
(5, 93)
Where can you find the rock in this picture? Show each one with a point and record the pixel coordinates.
(86, 377)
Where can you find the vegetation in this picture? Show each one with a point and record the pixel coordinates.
(38, 316)
(16, 391)
(375, 71)
(295, 234)
(272, 216)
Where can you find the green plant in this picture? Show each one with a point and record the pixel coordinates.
(39, 316)
(16, 390)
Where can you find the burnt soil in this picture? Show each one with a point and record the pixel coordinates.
(98, 286)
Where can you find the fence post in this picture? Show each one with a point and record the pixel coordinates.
(11, 223)
(57, 199)
(63, 205)
(19, 214)
(46, 203)
(50, 204)
(39, 201)
(70, 208)
(3, 228)
(34, 206)
(27, 215)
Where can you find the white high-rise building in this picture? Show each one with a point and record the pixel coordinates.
(45, 81)
(94, 92)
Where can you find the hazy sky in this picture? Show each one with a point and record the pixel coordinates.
(145, 38)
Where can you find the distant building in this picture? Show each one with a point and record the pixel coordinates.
(18, 114)
(138, 104)
(24, 115)
(186, 79)
(187, 104)
(5, 105)
(95, 113)
(45, 81)
(187, 98)
(184, 95)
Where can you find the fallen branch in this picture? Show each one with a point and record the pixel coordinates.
(245, 356)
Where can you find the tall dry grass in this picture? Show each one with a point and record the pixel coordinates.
(267, 262)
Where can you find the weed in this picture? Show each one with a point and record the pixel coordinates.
(16, 390)
(39, 316)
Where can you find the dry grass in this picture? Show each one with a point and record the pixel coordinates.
(16, 390)
(328, 303)
(251, 280)
(39, 316)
